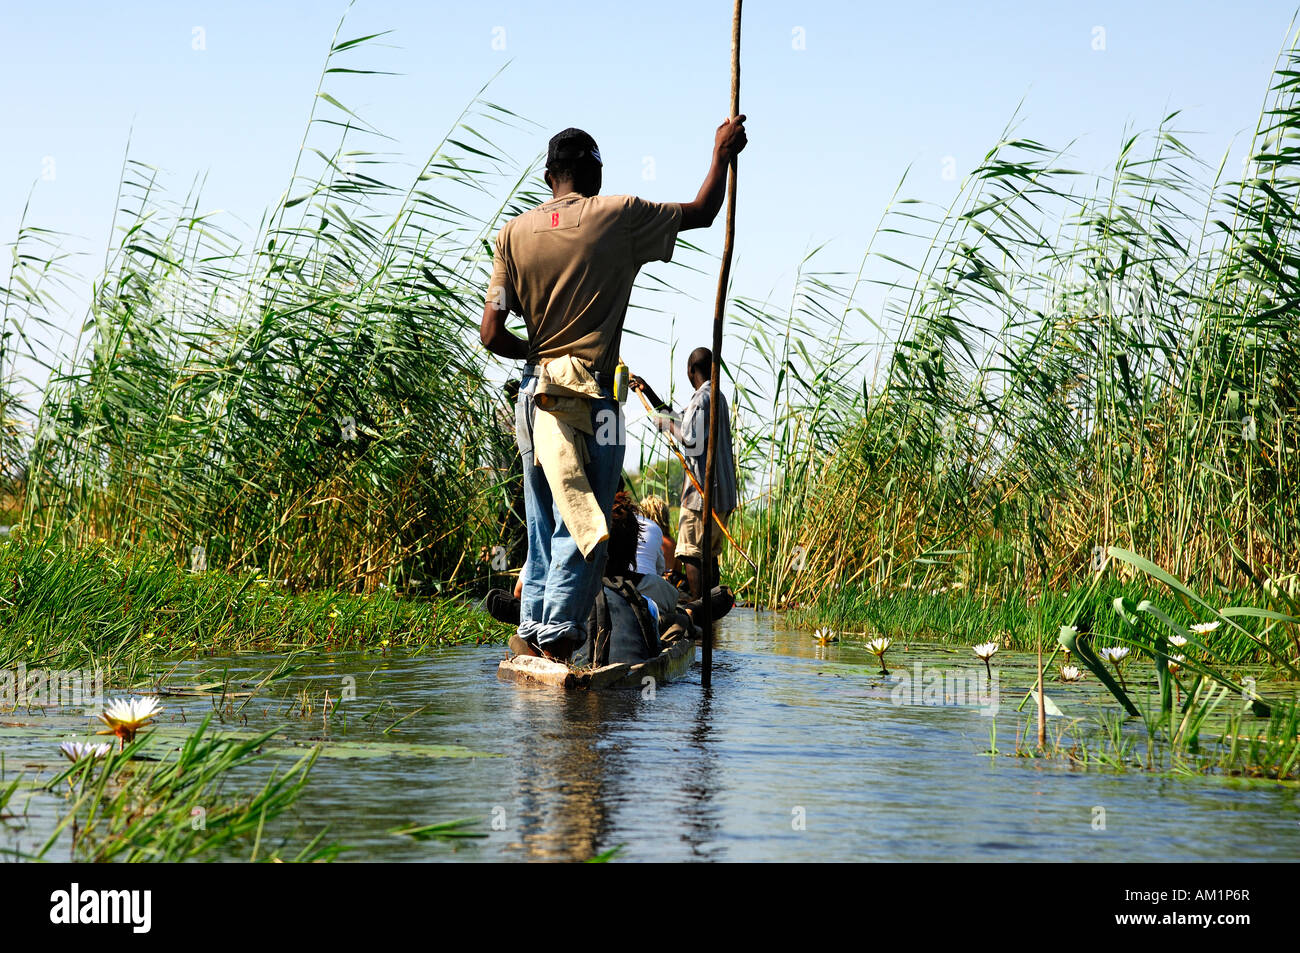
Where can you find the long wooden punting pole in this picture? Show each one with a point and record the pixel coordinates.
(707, 581)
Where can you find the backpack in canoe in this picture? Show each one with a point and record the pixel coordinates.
(622, 627)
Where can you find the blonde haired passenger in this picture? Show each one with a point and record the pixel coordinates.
(656, 552)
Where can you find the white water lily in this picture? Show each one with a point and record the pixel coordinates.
(1205, 628)
(76, 750)
(1070, 673)
(1176, 663)
(825, 636)
(984, 651)
(878, 647)
(1116, 654)
(125, 717)
(1178, 641)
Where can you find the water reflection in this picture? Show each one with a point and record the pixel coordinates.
(563, 777)
(702, 815)
(591, 767)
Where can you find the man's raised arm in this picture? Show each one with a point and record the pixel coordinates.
(664, 418)
(728, 142)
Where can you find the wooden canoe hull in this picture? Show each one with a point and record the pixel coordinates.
(672, 663)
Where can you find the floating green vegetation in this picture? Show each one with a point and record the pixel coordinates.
(460, 829)
(382, 749)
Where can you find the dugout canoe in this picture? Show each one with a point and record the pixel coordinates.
(670, 664)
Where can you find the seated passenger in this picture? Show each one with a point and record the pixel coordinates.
(624, 625)
(654, 510)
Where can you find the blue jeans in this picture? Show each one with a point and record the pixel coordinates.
(560, 586)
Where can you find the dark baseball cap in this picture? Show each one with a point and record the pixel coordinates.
(572, 145)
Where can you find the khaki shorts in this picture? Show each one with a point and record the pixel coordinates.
(690, 534)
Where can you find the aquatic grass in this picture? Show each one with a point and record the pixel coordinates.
(176, 808)
(1209, 737)
(1156, 642)
(126, 611)
(992, 751)
(1010, 618)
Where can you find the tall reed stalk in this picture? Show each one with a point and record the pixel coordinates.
(1069, 364)
(310, 402)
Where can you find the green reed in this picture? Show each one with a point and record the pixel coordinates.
(1061, 364)
(176, 809)
(308, 402)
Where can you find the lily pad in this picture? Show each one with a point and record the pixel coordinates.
(207, 688)
(379, 749)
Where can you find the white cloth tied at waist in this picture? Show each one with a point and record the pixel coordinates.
(565, 389)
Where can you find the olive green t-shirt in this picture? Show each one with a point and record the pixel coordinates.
(568, 267)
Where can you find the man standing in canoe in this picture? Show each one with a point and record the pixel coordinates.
(568, 267)
(691, 431)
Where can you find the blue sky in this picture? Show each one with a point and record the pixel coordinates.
(875, 88)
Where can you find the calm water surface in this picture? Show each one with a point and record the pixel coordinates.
(800, 753)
